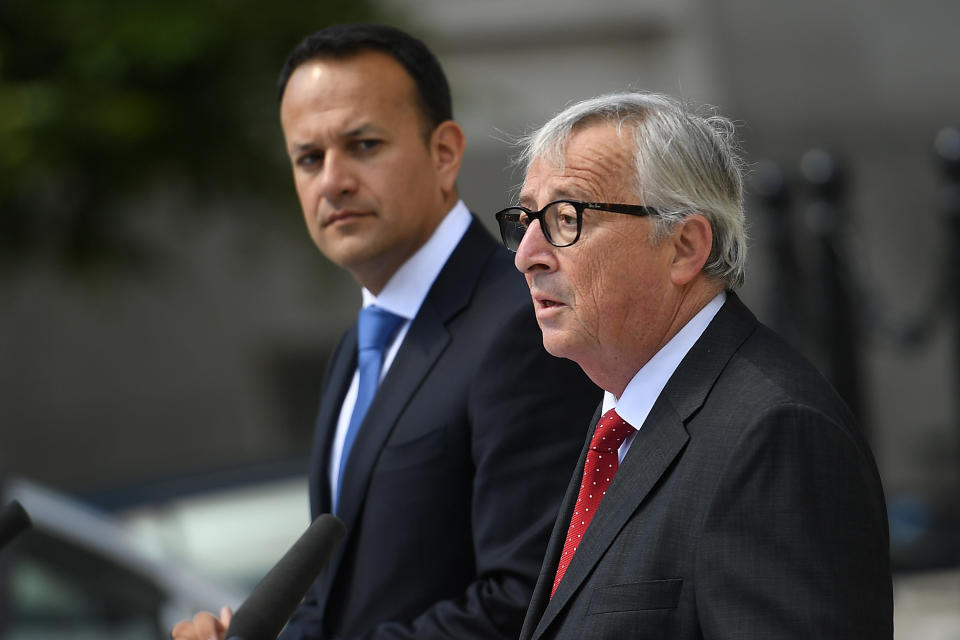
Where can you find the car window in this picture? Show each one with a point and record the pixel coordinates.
(54, 589)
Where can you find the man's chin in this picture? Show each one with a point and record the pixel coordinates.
(554, 343)
(350, 252)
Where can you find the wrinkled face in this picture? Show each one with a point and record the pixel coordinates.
(371, 187)
(606, 301)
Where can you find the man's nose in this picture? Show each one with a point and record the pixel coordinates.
(534, 252)
(337, 177)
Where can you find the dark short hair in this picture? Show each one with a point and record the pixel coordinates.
(345, 40)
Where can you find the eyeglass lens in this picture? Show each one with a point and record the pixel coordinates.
(559, 224)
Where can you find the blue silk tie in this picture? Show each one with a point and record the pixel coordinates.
(375, 328)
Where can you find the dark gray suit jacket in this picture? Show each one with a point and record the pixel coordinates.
(748, 506)
(457, 472)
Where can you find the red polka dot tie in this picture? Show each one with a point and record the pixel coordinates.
(598, 471)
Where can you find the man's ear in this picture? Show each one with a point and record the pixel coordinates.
(446, 147)
(692, 242)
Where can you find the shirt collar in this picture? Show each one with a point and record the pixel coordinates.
(645, 387)
(408, 287)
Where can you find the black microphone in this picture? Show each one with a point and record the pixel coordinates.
(13, 521)
(271, 603)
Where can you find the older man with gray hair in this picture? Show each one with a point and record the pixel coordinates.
(725, 491)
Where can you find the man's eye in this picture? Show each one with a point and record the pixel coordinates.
(366, 144)
(566, 220)
(310, 159)
(524, 220)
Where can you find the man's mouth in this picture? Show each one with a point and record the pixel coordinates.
(542, 300)
(546, 303)
(342, 215)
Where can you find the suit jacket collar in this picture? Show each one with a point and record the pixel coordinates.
(701, 367)
(657, 444)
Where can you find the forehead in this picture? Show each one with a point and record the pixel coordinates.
(597, 165)
(345, 91)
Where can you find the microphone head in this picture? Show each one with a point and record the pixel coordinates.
(13, 521)
(272, 602)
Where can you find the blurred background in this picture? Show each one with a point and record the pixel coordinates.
(165, 319)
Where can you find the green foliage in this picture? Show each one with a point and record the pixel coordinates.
(103, 99)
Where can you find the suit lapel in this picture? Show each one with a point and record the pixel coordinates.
(656, 445)
(548, 569)
(338, 378)
(422, 346)
(658, 442)
(424, 343)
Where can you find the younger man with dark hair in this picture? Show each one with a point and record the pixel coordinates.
(448, 480)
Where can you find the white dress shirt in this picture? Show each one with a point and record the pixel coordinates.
(403, 294)
(644, 388)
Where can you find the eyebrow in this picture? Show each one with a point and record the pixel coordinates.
(356, 132)
(303, 146)
(561, 194)
(525, 201)
(361, 130)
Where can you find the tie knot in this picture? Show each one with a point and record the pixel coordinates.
(610, 433)
(375, 327)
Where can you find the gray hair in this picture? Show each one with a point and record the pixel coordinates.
(686, 162)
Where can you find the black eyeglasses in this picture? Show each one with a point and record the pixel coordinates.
(560, 221)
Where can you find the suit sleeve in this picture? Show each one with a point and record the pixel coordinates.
(795, 542)
(305, 623)
(528, 412)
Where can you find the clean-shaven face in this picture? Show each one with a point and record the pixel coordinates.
(603, 302)
(366, 175)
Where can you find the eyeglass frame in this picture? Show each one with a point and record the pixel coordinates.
(578, 206)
